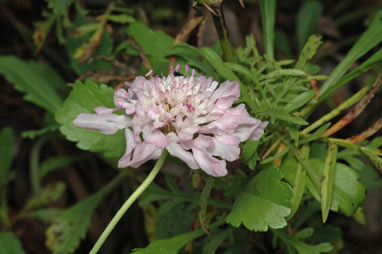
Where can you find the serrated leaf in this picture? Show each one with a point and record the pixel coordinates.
(37, 133)
(28, 77)
(264, 202)
(10, 244)
(65, 234)
(50, 193)
(58, 6)
(309, 50)
(83, 99)
(6, 147)
(285, 116)
(153, 43)
(169, 246)
(249, 153)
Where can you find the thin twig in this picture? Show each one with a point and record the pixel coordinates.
(355, 112)
(367, 133)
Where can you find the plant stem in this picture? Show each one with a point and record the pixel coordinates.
(129, 202)
(221, 28)
(335, 112)
(34, 165)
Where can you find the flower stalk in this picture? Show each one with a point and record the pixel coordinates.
(117, 217)
(221, 28)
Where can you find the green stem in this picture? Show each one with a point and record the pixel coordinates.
(117, 217)
(204, 201)
(335, 112)
(221, 28)
(34, 165)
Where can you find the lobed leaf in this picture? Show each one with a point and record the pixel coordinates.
(36, 80)
(10, 244)
(264, 203)
(83, 99)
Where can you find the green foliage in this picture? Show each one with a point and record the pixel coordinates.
(170, 246)
(64, 235)
(49, 193)
(295, 245)
(214, 240)
(10, 244)
(369, 39)
(264, 202)
(307, 19)
(54, 163)
(6, 148)
(268, 10)
(37, 133)
(83, 99)
(58, 6)
(37, 81)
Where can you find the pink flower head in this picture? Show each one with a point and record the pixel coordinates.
(189, 116)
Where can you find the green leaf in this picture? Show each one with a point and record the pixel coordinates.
(121, 18)
(328, 180)
(65, 234)
(370, 38)
(264, 202)
(191, 55)
(6, 148)
(153, 43)
(73, 42)
(50, 193)
(309, 50)
(169, 246)
(27, 77)
(59, 7)
(285, 116)
(53, 163)
(218, 64)
(214, 240)
(10, 244)
(37, 133)
(249, 153)
(299, 183)
(293, 242)
(307, 19)
(268, 10)
(328, 234)
(348, 192)
(315, 135)
(83, 99)
(299, 101)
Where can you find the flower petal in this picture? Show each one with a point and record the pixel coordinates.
(209, 164)
(227, 147)
(105, 123)
(144, 152)
(130, 145)
(122, 101)
(154, 137)
(176, 150)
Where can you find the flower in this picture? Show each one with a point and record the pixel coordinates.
(189, 116)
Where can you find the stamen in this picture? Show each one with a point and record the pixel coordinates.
(177, 67)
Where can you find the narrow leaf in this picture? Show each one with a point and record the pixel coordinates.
(328, 180)
(370, 38)
(307, 19)
(285, 116)
(218, 64)
(268, 10)
(6, 147)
